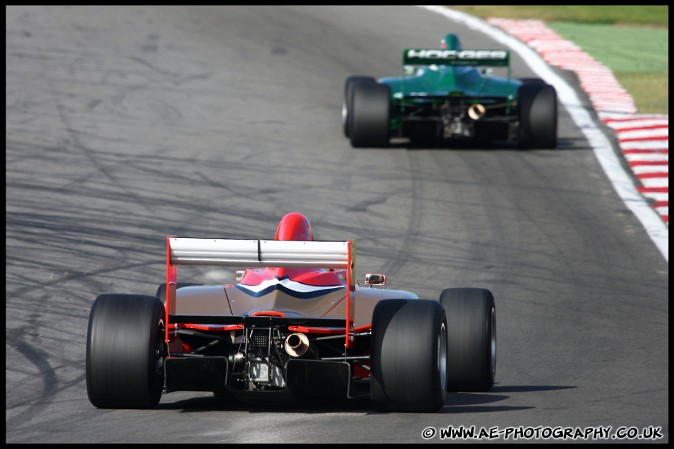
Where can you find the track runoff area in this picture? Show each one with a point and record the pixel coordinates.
(643, 139)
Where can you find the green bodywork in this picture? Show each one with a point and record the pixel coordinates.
(451, 77)
(447, 80)
(440, 76)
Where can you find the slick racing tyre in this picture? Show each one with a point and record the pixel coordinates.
(348, 93)
(409, 355)
(537, 110)
(471, 338)
(125, 350)
(531, 81)
(369, 115)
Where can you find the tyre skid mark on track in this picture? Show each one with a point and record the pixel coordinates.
(47, 374)
(22, 420)
(87, 152)
(396, 262)
(80, 276)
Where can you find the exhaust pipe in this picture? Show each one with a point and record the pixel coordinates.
(476, 111)
(297, 344)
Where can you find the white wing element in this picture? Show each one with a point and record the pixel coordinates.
(259, 253)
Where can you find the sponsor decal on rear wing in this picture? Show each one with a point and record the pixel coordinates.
(260, 253)
(428, 56)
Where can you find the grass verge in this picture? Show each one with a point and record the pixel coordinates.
(632, 41)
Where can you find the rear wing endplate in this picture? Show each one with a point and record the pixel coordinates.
(429, 56)
(260, 253)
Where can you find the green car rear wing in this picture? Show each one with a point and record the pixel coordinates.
(428, 56)
(446, 57)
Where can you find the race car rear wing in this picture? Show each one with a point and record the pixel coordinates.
(260, 253)
(446, 57)
(429, 56)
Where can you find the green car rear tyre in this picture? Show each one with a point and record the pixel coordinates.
(537, 106)
(369, 117)
(348, 94)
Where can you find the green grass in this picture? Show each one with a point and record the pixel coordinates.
(649, 91)
(656, 16)
(633, 41)
(639, 62)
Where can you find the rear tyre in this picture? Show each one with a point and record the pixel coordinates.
(409, 355)
(471, 338)
(348, 93)
(537, 110)
(125, 350)
(531, 81)
(369, 115)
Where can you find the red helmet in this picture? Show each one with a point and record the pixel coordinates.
(294, 226)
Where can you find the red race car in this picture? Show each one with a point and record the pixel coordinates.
(295, 324)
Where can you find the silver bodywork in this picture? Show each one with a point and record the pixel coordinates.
(227, 300)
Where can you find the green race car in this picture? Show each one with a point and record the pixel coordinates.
(450, 94)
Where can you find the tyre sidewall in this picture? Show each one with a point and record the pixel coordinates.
(405, 355)
(471, 338)
(537, 111)
(123, 338)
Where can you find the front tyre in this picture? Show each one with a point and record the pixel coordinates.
(125, 350)
(409, 355)
(471, 338)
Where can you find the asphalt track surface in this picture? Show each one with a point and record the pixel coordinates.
(125, 124)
